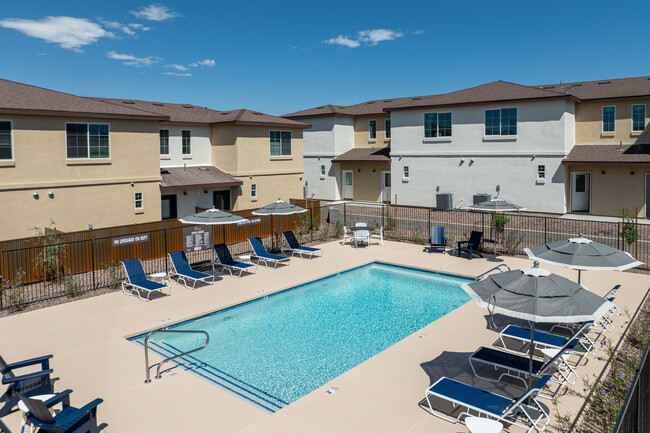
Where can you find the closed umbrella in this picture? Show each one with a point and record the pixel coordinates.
(279, 207)
(539, 296)
(495, 205)
(583, 254)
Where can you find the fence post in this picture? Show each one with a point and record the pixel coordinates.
(165, 249)
(345, 215)
(311, 224)
(545, 231)
(618, 235)
(92, 260)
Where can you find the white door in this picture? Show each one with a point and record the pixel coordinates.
(580, 192)
(385, 186)
(348, 186)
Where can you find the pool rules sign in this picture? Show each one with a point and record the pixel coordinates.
(197, 238)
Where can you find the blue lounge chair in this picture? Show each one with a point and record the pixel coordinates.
(29, 384)
(227, 263)
(471, 245)
(68, 420)
(137, 280)
(182, 270)
(295, 247)
(524, 411)
(517, 366)
(261, 254)
(437, 239)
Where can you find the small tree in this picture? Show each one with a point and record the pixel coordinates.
(629, 232)
(51, 259)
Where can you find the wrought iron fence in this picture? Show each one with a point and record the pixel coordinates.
(635, 413)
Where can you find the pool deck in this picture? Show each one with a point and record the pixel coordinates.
(383, 394)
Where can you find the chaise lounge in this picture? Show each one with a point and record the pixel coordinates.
(183, 272)
(295, 247)
(260, 253)
(227, 263)
(137, 280)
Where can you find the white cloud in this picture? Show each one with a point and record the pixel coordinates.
(135, 25)
(373, 37)
(127, 30)
(176, 74)
(418, 32)
(343, 40)
(112, 24)
(130, 60)
(177, 67)
(155, 12)
(68, 32)
(208, 63)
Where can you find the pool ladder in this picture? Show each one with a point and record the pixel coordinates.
(496, 268)
(171, 358)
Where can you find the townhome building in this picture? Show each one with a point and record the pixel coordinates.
(75, 161)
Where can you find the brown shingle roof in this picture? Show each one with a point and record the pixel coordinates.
(18, 98)
(365, 154)
(609, 154)
(604, 89)
(196, 177)
(369, 108)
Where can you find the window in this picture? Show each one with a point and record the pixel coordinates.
(322, 172)
(609, 116)
(280, 143)
(387, 127)
(87, 140)
(164, 142)
(541, 172)
(501, 122)
(187, 143)
(253, 190)
(406, 172)
(638, 118)
(138, 200)
(5, 140)
(372, 129)
(437, 125)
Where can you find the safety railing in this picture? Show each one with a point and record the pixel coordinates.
(496, 268)
(171, 358)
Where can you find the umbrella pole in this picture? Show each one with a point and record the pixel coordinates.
(579, 272)
(532, 352)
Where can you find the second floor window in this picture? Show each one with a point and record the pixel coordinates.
(253, 190)
(387, 127)
(187, 143)
(87, 140)
(541, 172)
(372, 129)
(138, 200)
(638, 118)
(406, 172)
(280, 143)
(164, 142)
(501, 122)
(5, 140)
(437, 125)
(609, 117)
(322, 171)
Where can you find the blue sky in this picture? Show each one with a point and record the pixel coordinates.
(285, 56)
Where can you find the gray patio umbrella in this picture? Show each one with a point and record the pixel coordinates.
(583, 254)
(212, 217)
(539, 296)
(495, 205)
(279, 207)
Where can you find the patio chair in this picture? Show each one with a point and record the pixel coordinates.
(296, 248)
(437, 239)
(517, 366)
(347, 235)
(29, 384)
(523, 412)
(261, 254)
(472, 244)
(227, 263)
(379, 236)
(137, 280)
(70, 419)
(183, 272)
(361, 236)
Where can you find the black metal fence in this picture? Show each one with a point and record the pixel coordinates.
(635, 414)
(78, 265)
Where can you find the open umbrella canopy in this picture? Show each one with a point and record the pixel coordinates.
(212, 217)
(583, 254)
(279, 207)
(495, 205)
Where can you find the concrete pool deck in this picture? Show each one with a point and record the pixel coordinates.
(383, 394)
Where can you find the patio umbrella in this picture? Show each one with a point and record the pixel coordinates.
(495, 205)
(279, 207)
(539, 296)
(212, 217)
(583, 254)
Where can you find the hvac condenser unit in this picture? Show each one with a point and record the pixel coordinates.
(480, 198)
(444, 201)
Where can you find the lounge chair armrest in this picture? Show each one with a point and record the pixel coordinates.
(8, 380)
(43, 360)
(61, 396)
(462, 242)
(91, 406)
(69, 417)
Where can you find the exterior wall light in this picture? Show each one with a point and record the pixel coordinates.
(90, 226)
(35, 195)
(50, 194)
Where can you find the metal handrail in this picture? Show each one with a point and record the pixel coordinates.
(171, 358)
(498, 267)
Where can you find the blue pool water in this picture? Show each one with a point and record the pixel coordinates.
(274, 350)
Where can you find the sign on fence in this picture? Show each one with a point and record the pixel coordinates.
(197, 238)
(249, 221)
(126, 240)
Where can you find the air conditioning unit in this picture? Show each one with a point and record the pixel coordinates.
(481, 197)
(444, 201)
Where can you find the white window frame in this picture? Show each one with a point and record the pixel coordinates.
(406, 172)
(186, 155)
(323, 170)
(437, 136)
(500, 136)
(88, 141)
(375, 137)
(290, 143)
(541, 171)
(253, 190)
(602, 119)
(168, 146)
(135, 200)
(632, 118)
(13, 154)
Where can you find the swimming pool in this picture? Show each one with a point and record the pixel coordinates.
(274, 350)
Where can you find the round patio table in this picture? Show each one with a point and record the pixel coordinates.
(366, 228)
(482, 425)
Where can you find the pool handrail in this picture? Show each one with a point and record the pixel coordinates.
(496, 268)
(171, 358)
